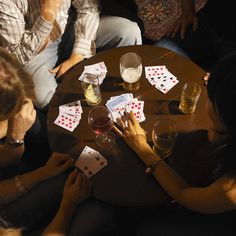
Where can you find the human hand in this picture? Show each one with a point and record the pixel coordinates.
(57, 164)
(50, 9)
(21, 122)
(205, 78)
(77, 188)
(66, 65)
(132, 133)
(186, 19)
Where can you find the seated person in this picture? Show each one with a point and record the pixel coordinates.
(22, 127)
(218, 194)
(48, 41)
(26, 198)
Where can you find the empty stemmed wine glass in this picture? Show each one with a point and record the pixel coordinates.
(100, 120)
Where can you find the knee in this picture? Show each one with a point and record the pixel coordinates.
(128, 33)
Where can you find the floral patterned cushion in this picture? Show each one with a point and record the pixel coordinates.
(159, 15)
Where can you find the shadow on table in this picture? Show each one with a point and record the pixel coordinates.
(161, 107)
(112, 84)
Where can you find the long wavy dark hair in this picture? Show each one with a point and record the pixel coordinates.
(221, 90)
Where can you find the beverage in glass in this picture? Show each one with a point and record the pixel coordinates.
(91, 89)
(131, 71)
(189, 97)
(163, 136)
(100, 120)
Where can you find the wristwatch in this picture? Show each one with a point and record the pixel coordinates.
(14, 143)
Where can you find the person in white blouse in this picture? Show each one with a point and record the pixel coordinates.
(41, 34)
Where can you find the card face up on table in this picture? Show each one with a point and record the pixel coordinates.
(160, 77)
(69, 115)
(90, 162)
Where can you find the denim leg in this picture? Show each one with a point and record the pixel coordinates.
(116, 31)
(92, 218)
(44, 82)
(170, 44)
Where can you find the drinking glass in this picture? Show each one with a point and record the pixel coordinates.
(189, 97)
(163, 136)
(91, 89)
(131, 70)
(100, 120)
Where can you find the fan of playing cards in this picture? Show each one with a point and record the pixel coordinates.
(126, 103)
(69, 115)
(160, 77)
(98, 69)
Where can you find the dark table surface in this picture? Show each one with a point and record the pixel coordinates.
(123, 181)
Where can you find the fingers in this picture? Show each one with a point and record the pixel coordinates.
(195, 23)
(54, 70)
(183, 29)
(117, 131)
(71, 178)
(175, 30)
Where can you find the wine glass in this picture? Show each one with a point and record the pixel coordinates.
(131, 70)
(100, 120)
(164, 136)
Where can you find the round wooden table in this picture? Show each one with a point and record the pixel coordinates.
(123, 181)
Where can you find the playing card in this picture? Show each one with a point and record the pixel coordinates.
(118, 101)
(90, 162)
(160, 77)
(66, 121)
(98, 69)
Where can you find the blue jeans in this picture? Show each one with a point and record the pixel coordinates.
(112, 32)
(170, 44)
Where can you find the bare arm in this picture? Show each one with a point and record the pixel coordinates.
(77, 188)
(55, 165)
(86, 27)
(16, 129)
(216, 198)
(25, 43)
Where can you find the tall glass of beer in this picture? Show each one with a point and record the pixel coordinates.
(131, 71)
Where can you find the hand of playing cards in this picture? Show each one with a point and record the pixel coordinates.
(90, 162)
(160, 77)
(69, 115)
(98, 69)
(126, 103)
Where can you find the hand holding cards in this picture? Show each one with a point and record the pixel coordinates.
(98, 69)
(160, 77)
(90, 162)
(69, 115)
(126, 103)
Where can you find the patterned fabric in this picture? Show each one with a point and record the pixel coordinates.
(158, 16)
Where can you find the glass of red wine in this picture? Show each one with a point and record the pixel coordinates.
(100, 120)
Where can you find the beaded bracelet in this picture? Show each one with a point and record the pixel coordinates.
(151, 167)
(19, 184)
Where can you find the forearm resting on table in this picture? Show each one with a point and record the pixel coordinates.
(9, 190)
(9, 154)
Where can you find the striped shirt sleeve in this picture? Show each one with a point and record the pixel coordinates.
(13, 35)
(86, 26)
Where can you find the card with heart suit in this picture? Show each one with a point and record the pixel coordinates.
(160, 77)
(69, 115)
(90, 162)
(118, 105)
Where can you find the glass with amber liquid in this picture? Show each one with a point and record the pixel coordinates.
(189, 97)
(164, 136)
